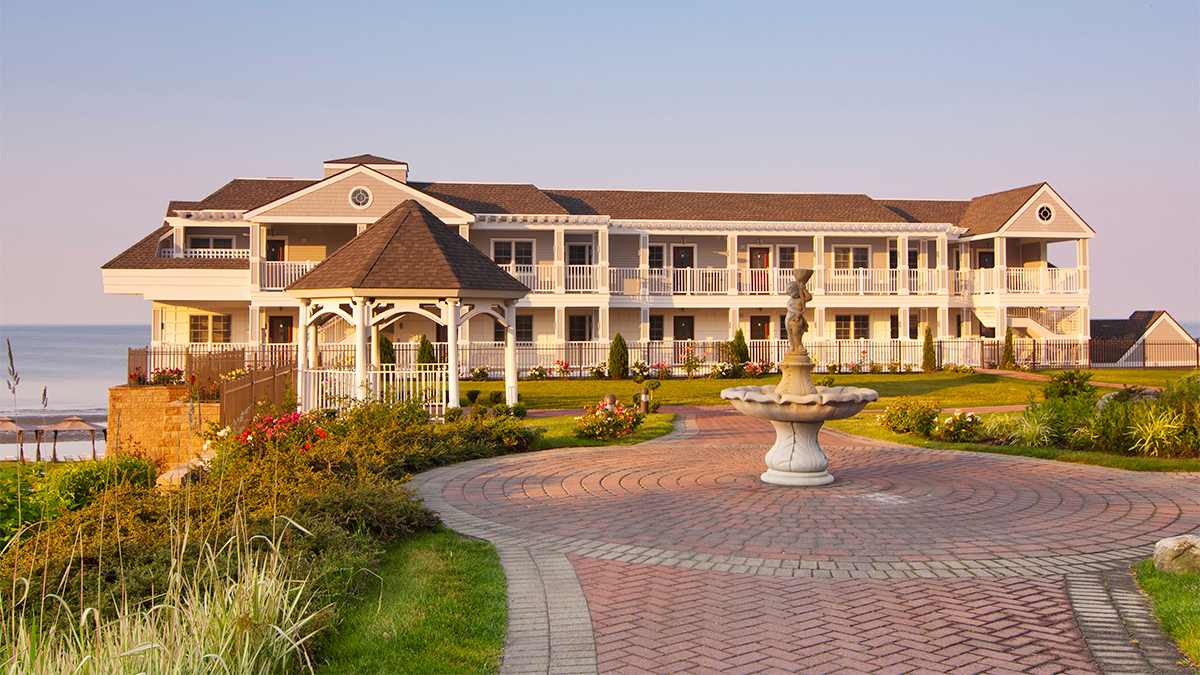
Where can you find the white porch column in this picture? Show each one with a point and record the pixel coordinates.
(603, 333)
(602, 259)
(178, 241)
(560, 324)
(1001, 265)
(643, 264)
(943, 320)
(1082, 262)
(360, 347)
(644, 325)
(450, 317)
(510, 353)
(254, 325)
(902, 265)
(943, 253)
(818, 286)
(256, 253)
(818, 327)
(734, 321)
(905, 322)
(464, 231)
(302, 355)
(313, 352)
(731, 250)
(1085, 323)
(560, 264)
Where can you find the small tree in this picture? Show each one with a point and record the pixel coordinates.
(928, 354)
(425, 352)
(738, 351)
(618, 358)
(1008, 357)
(387, 352)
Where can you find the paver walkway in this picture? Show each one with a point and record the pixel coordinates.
(671, 556)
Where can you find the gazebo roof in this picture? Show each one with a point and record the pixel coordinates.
(408, 250)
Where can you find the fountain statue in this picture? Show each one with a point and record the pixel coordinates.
(795, 406)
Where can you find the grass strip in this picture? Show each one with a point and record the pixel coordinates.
(558, 432)
(868, 425)
(439, 608)
(951, 390)
(1176, 600)
(1150, 377)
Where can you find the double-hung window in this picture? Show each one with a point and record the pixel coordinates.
(851, 257)
(655, 254)
(852, 327)
(215, 328)
(512, 252)
(787, 257)
(524, 329)
(656, 327)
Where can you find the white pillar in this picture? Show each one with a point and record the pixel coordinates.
(1001, 249)
(602, 259)
(943, 253)
(734, 321)
(450, 317)
(902, 264)
(302, 356)
(375, 345)
(943, 320)
(644, 325)
(1082, 262)
(510, 353)
(560, 324)
(818, 327)
(313, 353)
(178, 240)
(254, 325)
(360, 347)
(818, 286)
(256, 253)
(731, 249)
(905, 322)
(643, 264)
(560, 265)
(604, 333)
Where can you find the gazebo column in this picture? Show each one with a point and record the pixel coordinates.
(375, 345)
(360, 347)
(314, 354)
(510, 354)
(450, 317)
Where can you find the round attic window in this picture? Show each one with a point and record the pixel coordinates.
(1045, 213)
(360, 197)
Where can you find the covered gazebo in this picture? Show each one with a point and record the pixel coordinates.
(407, 262)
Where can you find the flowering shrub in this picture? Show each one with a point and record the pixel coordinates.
(833, 367)
(208, 390)
(536, 373)
(751, 369)
(875, 368)
(767, 367)
(722, 370)
(597, 371)
(296, 430)
(639, 369)
(960, 427)
(661, 371)
(894, 367)
(562, 369)
(158, 376)
(605, 422)
(908, 416)
(691, 361)
(952, 368)
(479, 373)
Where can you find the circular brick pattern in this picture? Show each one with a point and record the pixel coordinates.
(888, 504)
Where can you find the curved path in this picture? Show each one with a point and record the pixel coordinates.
(670, 556)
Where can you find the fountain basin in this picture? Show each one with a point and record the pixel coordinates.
(796, 458)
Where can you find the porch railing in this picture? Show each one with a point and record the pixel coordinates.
(278, 275)
(428, 385)
(539, 278)
(581, 278)
(203, 253)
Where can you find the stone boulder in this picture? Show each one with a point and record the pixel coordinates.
(1178, 554)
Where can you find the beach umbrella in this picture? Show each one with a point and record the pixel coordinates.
(7, 424)
(72, 423)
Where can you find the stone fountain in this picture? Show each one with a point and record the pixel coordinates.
(795, 406)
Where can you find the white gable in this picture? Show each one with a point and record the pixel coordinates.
(329, 201)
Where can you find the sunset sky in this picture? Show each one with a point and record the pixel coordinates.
(109, 110)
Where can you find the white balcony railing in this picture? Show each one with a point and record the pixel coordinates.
(626, 281)
(1043, 280)
(539, 278)
(204, 253)
(277, 275)
(581, 278)
(924, 282)
(862, 281)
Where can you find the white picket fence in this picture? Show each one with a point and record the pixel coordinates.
(427, 384)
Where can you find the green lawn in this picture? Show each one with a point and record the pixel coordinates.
(868, 425)
(442, 609)
(1176, 599)
(1142, 378)
(952, 390)
(558, 431)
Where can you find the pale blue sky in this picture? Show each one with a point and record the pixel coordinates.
(109, 110)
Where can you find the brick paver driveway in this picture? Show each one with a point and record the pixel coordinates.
(671, 556)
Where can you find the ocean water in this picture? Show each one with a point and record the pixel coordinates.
(75, 364)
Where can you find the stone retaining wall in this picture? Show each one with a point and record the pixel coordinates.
(154, 421)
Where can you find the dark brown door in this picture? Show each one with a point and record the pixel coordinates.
(685, 328)
(276, 250)
(279, 329)
(760, 276)
(760, 328)
(683, 258)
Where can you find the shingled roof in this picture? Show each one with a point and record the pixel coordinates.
(927, 210)
(364, 159)
(989, 213)
(491, 198)
(724, 206)
(244, 194)
(409, 248)
(141, 256)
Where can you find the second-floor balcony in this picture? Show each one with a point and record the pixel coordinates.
(642, 281)
(203, 253)
(278, 275)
